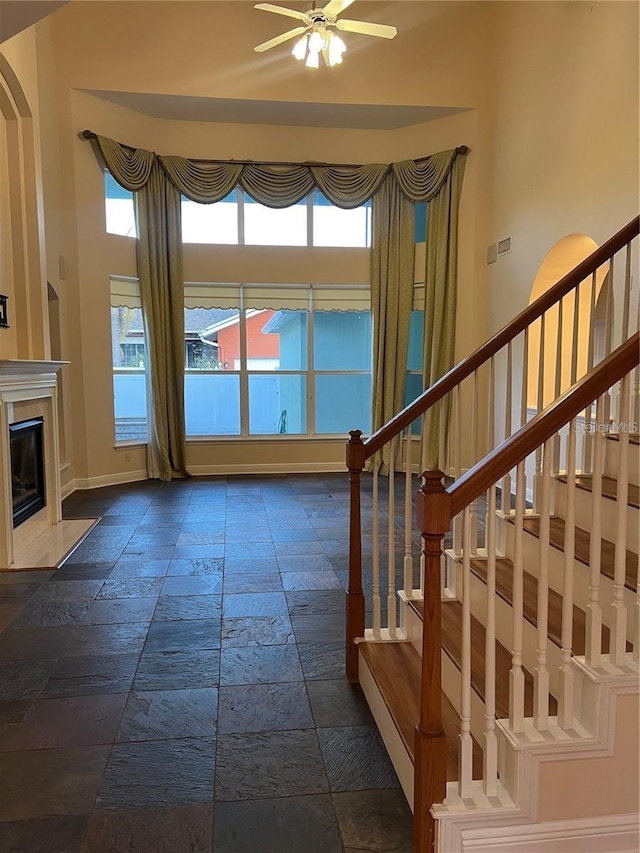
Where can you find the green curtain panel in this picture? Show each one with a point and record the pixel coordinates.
(159, 181)
(440, 302)
(392, 263)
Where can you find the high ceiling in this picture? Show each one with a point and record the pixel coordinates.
(17, 15)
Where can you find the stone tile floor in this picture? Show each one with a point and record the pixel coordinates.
(177, 686)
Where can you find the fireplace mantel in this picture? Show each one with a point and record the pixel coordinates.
(28, 367)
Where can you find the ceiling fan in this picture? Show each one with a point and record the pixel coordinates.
(315, 36)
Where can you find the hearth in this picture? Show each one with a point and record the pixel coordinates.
(27, 469)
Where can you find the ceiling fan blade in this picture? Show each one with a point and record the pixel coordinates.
(381, 30)
(280, 10)
(335, 7)
(266, 45)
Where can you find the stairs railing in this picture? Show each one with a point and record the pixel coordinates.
(484, 402)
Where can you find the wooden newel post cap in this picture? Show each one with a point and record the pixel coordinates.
(433, 505)
(355, 451)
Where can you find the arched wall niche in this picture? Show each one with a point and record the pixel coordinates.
(566, 254)
(20, 258)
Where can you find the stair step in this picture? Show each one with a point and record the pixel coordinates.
(609, 488)
(504, 588)
(397, 671)
(583, 544)
(451, 643)
(634, 437)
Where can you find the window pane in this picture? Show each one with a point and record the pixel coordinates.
(212, 403)
(265, 226)
(277, 404)
(129, 380)
(343, 403)
(342, 340)
(412, 389)
(333, 226)
(212, 338)
(211, 223)
(119, 208)
(416, 341)
(276, 340)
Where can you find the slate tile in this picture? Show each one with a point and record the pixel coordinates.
(255, 604)
(24, 679)
(18, 593)
(110, 639)
(44, 835)
(193, 585)
(265, 765)
(183, 829)
(131, 588)
(200, 537)
(158, 773)
(250, 565)
(240, 550)
(36, 643)
(257, 631)
(58, 723)
(84, 676)
(298, 548)
(322, 660)
(305, 563)
(260, 665)
(168, 714)
(190, 552)
(173, 607)
(196, 566)
(246, 532)
(315, 602)
(96, 552)
(246, 582)
(83, 571)
(379, 821)
(177, 670)
(338, 703)
(263, 708)
(45, 614)
(47, 782)
(150, 552)
(310, 580)
(14, 710)
(113, 611)
(185, 635)
(284, 534)
(10, 578)
(355, 758)
(283, 825)
(328, 627)
(131, 567)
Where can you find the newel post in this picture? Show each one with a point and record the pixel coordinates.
(355, 596)
(433, 510)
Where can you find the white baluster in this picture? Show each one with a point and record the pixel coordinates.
(490, 752)
(516, 673)
(587, 441)
(505, 498)
(539, 408)
(627, 295)
(442, 435)
(608, 329)
(525, 378)
(457, 443)
(593, 650)
(408, 518)
(565, 695)
(541, 674)
(391, 577)
(472, 542)
(574, 335)
(618, 640)
(465, 771)
(375, 562)
(557, 388)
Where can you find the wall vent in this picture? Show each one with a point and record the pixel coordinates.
(504, 246)
(492, 253)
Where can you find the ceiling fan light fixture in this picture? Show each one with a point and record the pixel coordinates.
(313, 60)
(336, 48)
(317, 41)
(300, 48)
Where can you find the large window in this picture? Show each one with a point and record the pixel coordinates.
(119, 208)
(128, 352)
(278, 367)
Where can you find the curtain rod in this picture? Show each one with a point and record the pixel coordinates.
(89, 134)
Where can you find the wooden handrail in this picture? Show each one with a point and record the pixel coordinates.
(470, 364)
(532, 435)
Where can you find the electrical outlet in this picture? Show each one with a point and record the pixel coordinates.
(127, 457)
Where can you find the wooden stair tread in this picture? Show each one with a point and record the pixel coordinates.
(396, 668)
(504, 588)
(583, 542)
(609, 487)
(451, 643)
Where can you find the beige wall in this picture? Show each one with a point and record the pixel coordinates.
(552, 123)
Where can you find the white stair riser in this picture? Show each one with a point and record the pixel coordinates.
(531, 559)
(609, 515)
(612, 460)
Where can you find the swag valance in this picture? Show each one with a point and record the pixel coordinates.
(277, 185)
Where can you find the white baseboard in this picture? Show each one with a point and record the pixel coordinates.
(104, 480)
(614, 833)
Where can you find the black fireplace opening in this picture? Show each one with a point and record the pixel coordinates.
(27, 469)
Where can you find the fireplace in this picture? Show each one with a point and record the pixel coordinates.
(27, 469)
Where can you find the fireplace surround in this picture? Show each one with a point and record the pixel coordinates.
(28, 392)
